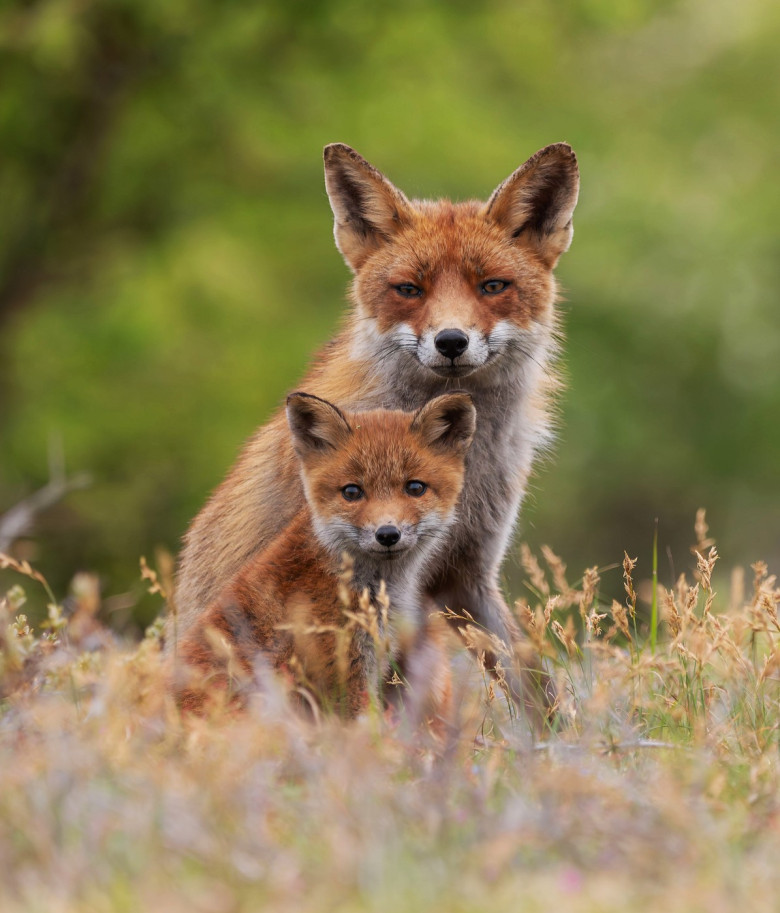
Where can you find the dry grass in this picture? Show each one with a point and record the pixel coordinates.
(660, 789)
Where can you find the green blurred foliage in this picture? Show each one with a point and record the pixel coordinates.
(167, 265)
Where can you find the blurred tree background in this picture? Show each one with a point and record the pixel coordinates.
(167, 265)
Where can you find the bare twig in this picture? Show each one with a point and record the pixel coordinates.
(20, 519)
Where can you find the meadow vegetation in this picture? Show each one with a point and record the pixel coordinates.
(657, 788)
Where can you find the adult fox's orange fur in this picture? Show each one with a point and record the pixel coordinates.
(445, 297)
(381, 487)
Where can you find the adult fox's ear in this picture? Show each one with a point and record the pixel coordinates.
(535, 204)
(368, 209)
(447, 422)
(316, 424)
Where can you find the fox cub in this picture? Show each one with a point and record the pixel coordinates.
(381, 487)
(445, 297)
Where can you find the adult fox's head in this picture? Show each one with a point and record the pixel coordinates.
(453, 289)
(382, 485)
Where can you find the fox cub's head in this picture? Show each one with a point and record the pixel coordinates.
(382, 485)
(453, 288)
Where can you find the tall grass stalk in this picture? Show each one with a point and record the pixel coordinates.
(654, 595)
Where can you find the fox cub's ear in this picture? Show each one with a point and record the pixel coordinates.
(447, 422)
(368, 209)
(316, 424)
(536, 203)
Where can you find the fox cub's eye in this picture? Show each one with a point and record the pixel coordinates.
(352, 492)
(407, 290)
(415, 488)
(494, 286)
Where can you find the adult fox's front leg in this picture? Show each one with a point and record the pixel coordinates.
(507, 653)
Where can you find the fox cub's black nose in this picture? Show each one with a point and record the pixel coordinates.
(388, 535)
(451, 343)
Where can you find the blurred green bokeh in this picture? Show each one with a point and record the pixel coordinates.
(167, 265)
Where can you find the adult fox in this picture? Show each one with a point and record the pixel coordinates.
(445, 297)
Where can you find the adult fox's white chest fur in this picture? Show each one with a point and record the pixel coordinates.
(445, 297)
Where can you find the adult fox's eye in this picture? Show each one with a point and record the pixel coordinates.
(352, 492)
(407, 290)
(415, 488)
(494, 286)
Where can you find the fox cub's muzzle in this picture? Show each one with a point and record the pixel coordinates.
(388, 535)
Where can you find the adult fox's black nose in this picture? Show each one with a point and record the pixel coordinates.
(388, 535)
(451, 343)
